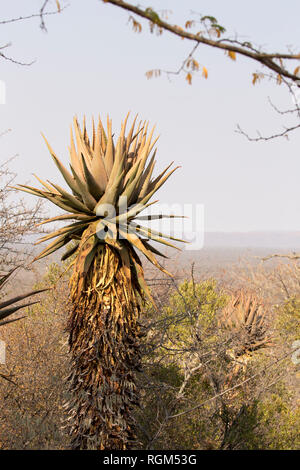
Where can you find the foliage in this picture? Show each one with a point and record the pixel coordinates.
(253, 416)
(288, 319)
(31, 408)
(278, 422)
(192, 310)
(189, 360)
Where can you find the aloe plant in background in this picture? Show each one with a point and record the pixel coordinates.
(9, 307)
(107, 285)
(246, 317)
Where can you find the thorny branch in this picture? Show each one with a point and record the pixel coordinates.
(240, 384)
(16, 221)
(41, 14)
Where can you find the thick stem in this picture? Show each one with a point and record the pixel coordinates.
(104, 345)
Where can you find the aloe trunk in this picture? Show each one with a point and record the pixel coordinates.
(104, 345)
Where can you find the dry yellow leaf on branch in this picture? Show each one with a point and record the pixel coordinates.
(215, 32)
(297, 70)
(195, 65)
(232, 55)
(189, 78)
(279, 79)
(255, 78)
(205, 72)
(58, 6)
(192, 63)
(189, 24)
(136, 26)
(153, 73)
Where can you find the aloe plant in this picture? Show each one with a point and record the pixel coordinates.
(9, 307)
(245, 317)
(107, 285)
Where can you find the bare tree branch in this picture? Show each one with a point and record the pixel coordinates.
(42, 13)
(16, 221)
(240, 384)
(294, 256)
(260, 138)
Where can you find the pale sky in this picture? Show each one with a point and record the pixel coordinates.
(91, 62)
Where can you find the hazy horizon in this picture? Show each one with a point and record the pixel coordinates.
(287, 240)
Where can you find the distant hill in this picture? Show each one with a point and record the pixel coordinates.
(287, 240)
(277, 239)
